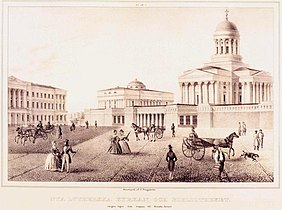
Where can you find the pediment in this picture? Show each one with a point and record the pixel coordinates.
(17, 81)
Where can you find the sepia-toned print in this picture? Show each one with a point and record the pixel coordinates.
(153, 94)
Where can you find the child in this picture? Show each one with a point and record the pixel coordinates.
(219, 160)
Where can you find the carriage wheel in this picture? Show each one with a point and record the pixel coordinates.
(17, 138)
(44, 136)
(198, 150)
(159, 134)
(187, 150)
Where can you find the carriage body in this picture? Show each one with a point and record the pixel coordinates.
(195, 147)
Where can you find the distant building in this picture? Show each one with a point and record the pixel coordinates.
(115, 105)
(29, 103)
(218, 95)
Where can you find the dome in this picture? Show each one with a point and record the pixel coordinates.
(226, 26)
(136, 85)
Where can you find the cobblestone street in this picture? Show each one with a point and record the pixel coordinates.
(147, 163)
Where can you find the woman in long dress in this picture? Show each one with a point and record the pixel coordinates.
(115, 146)
(123, 143)
(53, 160)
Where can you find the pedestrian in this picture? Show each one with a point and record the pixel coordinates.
(173, 130)
(240, 129)
(66, 158)
(96, 124)
(115, 147)
(60, 133)
(219, 161)
(244, 129)
(256, 140)
(153, 132)
(87, 124)
(53, 160)
(260, 137)
(171, 159)
(123, 142)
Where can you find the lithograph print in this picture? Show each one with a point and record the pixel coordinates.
(137, 97)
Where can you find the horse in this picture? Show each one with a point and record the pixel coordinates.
(137, 130)
(225, 143)
(23, 134)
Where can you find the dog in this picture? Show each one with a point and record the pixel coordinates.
(254, 156)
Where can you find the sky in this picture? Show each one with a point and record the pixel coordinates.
(86, 49)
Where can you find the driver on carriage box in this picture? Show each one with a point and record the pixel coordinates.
(48, 126)
(39, 127)
(193, 133)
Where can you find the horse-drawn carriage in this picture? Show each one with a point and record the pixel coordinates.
(30, 133)
(159, 131)
(195, 147)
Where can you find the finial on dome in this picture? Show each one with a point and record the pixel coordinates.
(226, 14)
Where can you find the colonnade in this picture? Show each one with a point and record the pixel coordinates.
(227, 46)
(149, 119)
(17, 98)
(219, 92)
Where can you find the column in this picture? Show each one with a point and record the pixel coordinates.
(19, 98)
(187, 94)
(200, 93)
(270, 92)
(230, 47)
(14, 98)
(181, 92)
(243, 93)
(253, 93)
(247, 93)
(24, 99)
(193, 93)
(260, 92)
(216, 86)
(205, 93)
(231, 92)
(264, 92)
(227, 92)
(210, 92)
(184, 94)
(257, 92)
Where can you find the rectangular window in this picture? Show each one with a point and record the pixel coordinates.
(27, 104)
(52, 96)
(41, 95)
(114, 119)
(44, 105)
(48, 95)
(187, 120)
(37, 105)
(26, 93)
(122, 118)
(41, 105)
(60, 106)
(181, 120)
(32, 94)
(195, 121)
(52, 106)
(56, 106)
(118, 119)
(37, 117)
(37, 95)
(33, 118)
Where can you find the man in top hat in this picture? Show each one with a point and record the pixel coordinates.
(171, 159)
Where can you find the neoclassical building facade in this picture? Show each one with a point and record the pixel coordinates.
(220, 94)
(226, 79)
(124, 105)
(29, 103)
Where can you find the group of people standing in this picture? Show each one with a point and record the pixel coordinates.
(119, 143)
(258, 139)
(57, 160)
(242, 129)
